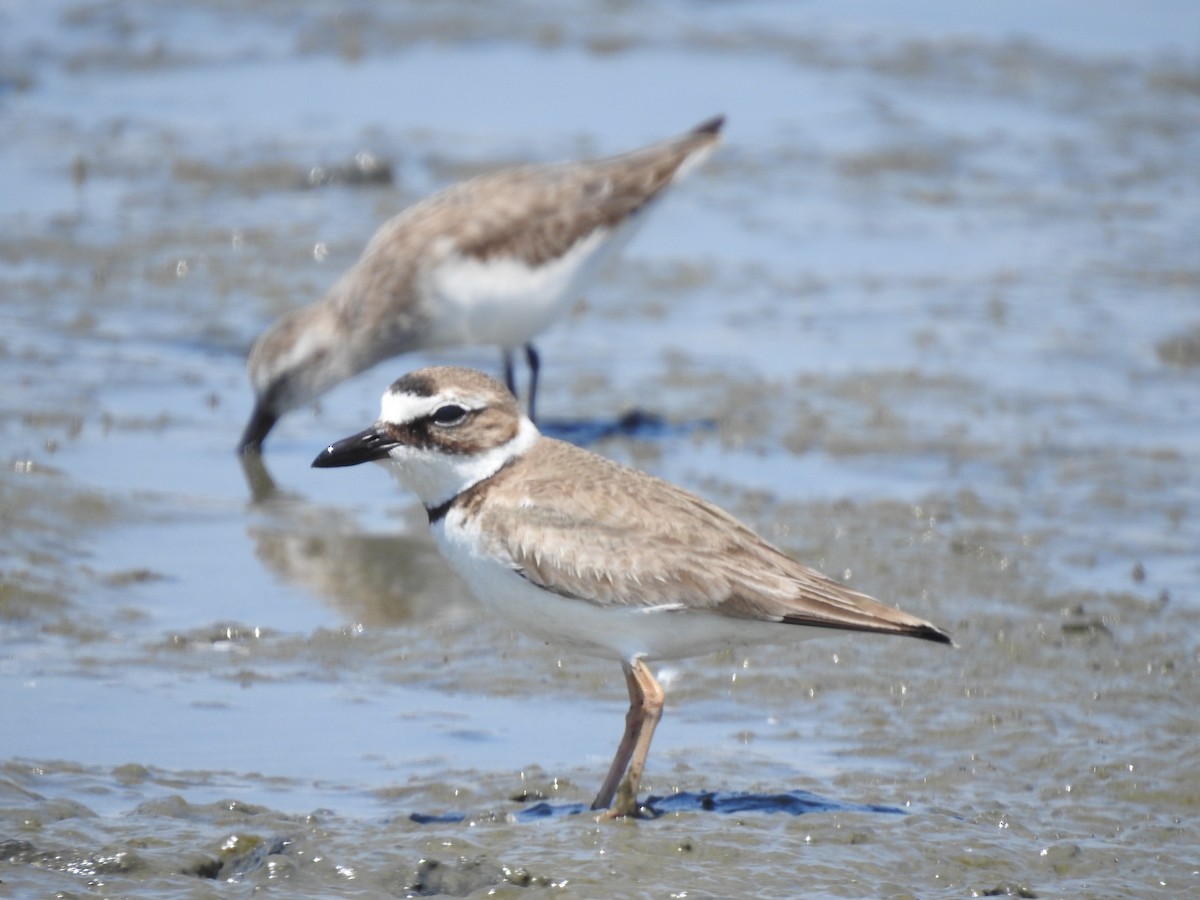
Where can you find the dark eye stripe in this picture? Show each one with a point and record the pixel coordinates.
(472, 433)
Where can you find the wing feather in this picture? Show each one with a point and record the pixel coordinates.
(673, 549)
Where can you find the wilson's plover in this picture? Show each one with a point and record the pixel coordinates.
(492, 260)
(579, 550)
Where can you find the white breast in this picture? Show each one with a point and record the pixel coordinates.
(504, 301)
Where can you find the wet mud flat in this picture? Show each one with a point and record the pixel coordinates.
(927, 321)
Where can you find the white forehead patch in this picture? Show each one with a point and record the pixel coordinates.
(398, 407)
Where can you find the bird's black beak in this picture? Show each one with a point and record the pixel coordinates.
(366, 446)
(262, 420)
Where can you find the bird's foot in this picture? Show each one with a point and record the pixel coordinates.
(625, 805)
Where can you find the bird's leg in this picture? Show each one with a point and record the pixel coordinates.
(510, 380)
(652, 707)
(633, 726)
(535, 364)
(645, 709)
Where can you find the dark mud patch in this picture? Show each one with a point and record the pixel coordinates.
(794, 803)
(636, 424)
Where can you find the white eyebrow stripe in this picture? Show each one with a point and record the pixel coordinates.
(397, 408)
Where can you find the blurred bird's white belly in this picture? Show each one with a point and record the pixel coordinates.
(504, 301)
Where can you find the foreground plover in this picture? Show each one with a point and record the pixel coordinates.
(492, 260)
(579, 550)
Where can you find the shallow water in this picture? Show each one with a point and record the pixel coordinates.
(938, 296)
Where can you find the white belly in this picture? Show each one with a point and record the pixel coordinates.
(505, 302)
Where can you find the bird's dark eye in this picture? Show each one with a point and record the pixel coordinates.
(450, 414)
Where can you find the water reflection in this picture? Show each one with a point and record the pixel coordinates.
(371, 579)
(258, 479)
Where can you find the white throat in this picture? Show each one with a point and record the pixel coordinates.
(436, 476)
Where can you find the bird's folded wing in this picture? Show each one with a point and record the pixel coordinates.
(632, 540)
(538, 213)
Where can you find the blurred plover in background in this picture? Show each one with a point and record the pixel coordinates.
(493, 260)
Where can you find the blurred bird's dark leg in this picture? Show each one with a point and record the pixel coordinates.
(535, 365)
(510, 380)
